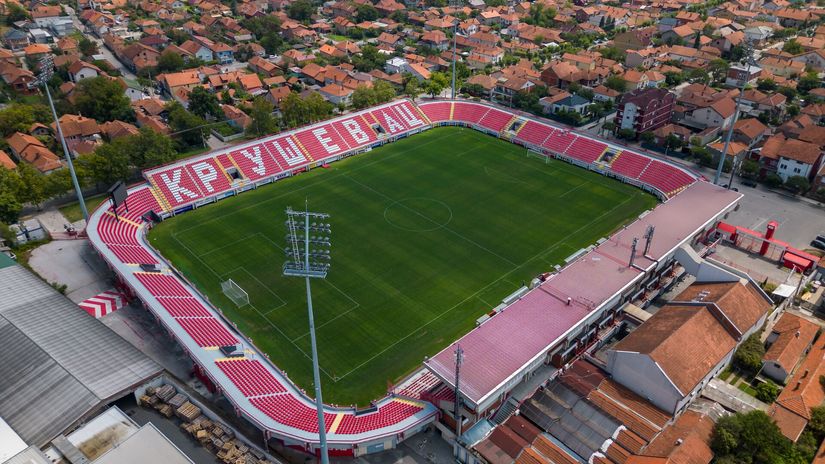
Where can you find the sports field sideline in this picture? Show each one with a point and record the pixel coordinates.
(429, 233)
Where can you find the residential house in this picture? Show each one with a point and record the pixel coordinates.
(235, 117)
(738, 76)
(749, 131)
(642, 79)
(672, 356)
(15, 39)
(81, 70)
(782, 67)
(814, 59)
(645, 109)
(506, 88)
(755, 102)
(571, 104)
(172, 83)
(703, 107)
(790, 157)
(790, 338)
(78, 129)
(197, 50)
(634, 39)
(336, 94)
(605, 94)
(115, 129)
(17, 78)
(792, 409)
(31, 150)
(436, 39)
(6, 161)
(45, 15)
(262, 66)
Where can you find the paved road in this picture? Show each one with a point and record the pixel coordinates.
(101, 47)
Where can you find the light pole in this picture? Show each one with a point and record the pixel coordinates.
(46, 72)
(455, 4)
(308, 256)
(748, 60)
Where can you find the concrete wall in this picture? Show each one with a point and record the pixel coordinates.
(642, 375)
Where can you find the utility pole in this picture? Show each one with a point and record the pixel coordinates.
(46, 72)
(748, 60)
(310, 262)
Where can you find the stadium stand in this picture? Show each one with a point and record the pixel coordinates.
(207, 331)
(470, 113)
(587, 150)
(495, 120)
(438, 111)
(251, 377)
(534, 133)
(288, 410)
(183, 307)
(258, 390)
(162, 284)
(629, 164)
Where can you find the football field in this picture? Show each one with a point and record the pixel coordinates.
(428, 234)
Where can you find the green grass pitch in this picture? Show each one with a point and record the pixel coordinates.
(428, 234)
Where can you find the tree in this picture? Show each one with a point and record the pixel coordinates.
(647, 137)
(150, 148)
(672, 142)
(541, 15)
(16, 13)
(15, 118)
(10, 205)
(627, 134)
(384, 91)
(817, 423)
(204, 104)
(412, 89)
(436, 83)
(773, 180)
(748, 356)
(767, 392)
(170, 61)
(369, 59)
(808, 82)
(109, 163)
(616, 83)
(103, 99)
(301, 10)
(609, 126)
(754, 438)
(87, 46)
(365, 12)
(793, 47)
(798, 184)
(766, 85)
(188, 128)
(749, 169)
(33, 185)
(263, 122)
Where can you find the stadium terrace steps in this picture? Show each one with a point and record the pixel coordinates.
(438, 111)
(250, 376)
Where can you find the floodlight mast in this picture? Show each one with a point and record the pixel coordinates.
(301, 266)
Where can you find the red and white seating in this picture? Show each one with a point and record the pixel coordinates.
(183, 307)
(319, 143)
(290, 411)
(534, 133)
(132, 254)
(210, 175)
(207, 331)
(585, 149)
(398, 118)
(115, 232)
(495, 120)
(629, 164)
(389, 414)
(437, 111)
(250, 376)
(559, 141)
(138, 203)
(418, 385)
(668, 179)
(162, 284)
(355, 131)
(255, 161)
(469, 112)
(176, 185)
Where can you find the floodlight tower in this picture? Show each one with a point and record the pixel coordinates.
(45, 73)
(749, 61)
(307, 256)
(455, 4)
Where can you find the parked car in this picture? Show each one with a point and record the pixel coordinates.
(818, 244)
(749, 182)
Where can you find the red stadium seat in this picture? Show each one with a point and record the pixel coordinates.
(207, 331)
(629, 164)
(251, 377)
(438, 111)
(534, 133)
(585, 149)
(162, 284)
(176, 185)
(469, 112)
(495, 120)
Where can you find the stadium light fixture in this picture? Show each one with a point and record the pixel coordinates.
(307, 256)
(45, 73)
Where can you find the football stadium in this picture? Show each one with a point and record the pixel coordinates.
(457, 223)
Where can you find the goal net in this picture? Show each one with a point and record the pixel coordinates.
(235, 293)
(533, 153)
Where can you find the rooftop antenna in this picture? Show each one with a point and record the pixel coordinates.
(649, 237)
(633, 251)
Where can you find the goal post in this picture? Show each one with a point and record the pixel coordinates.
(235, 293)
(533, 153)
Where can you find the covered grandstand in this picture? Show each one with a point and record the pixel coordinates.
(571, 305)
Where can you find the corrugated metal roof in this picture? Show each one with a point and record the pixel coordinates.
(58, 362)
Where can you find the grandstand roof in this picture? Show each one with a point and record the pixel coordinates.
(58, 363)
(501, 348)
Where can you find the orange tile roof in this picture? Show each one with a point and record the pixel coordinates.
(803, 392)
(551, 451)
(742, 303)
(794, 336)
(686, 441)
(6, 161)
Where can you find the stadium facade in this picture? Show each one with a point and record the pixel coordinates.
(551, 323)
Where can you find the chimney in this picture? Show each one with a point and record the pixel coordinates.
(633, 252)
(679, 441)
(569, 300)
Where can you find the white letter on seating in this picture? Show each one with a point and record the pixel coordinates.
(175, 187)
(325, 141)
(291, 153)
(206, 173)
(354, 129)
(408, 116)
(256, 157)
(393, 125)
